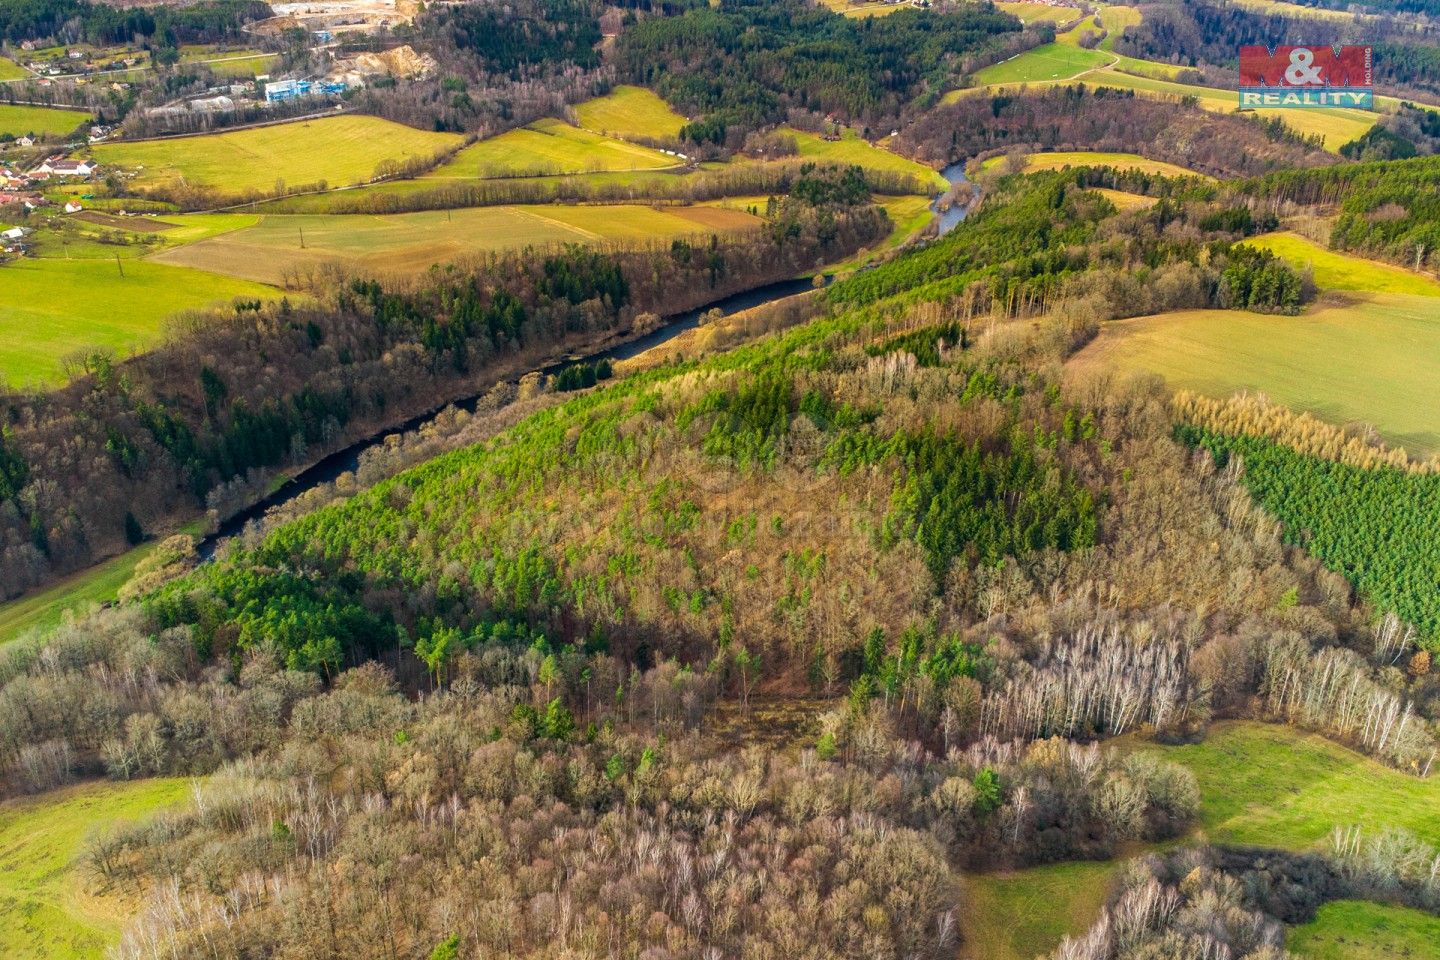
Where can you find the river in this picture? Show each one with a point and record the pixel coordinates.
(330, 468)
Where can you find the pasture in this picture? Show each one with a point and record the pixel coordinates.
(1359, 930)
(19, 121)
(10, 70)
(1341, 271)
(1276, 786)
(1127, 201)
(1050, 63)
(1023, 914)
(77, 592)
(862, 8)
(1087, 158)
(851, 148)
(339, 150)
(1359, 357)
(52, 309)
(282, 249)
(630, 112)
(50, 908)
(1039, 12)
(549, 148)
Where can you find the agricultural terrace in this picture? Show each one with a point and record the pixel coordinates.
(52, 309)
(1276, 786)
(20, 121)
(1362, 358)
(550, 148)
(1086, 158)
(283, 249)
(1359, 930)
(338, 150)
(50, 908)
(630, 112)
(1341, 271)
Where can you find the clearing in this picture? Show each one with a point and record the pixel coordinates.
(1023, 914)
(549, 148)
(1049, 63)
(283, 249)
(851, 148)
(1355, 357)
(47, 907)
(1275, 786)
(337, 150)
(1342, 271)
(630, 112)
(1358, 930)
(19, 121)
(77, 592)
(51, 309)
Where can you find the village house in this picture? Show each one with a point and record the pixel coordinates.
(24, 141)
(66, 168)
(73, 206)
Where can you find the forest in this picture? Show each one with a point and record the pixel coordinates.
(175, 431)
(746, 63)
(73, 21)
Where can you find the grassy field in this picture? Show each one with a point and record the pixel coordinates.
(50, 309)
(48, 907)
(549, 147)
(1275, 786)
(1357, 930)
(1341, 271)
(44, 609)
(862, 8)
(41, 121)
(271, 251)
(1039, 12)
(10, 70)
(1127, 201)
(852, 149)
(1366, 357)
(1045, 64)
(338, 150)
(1024, 914)
(630, 112)
(1077, 158)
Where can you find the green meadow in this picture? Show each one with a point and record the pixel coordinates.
(77, 592)
(549, 148)
(628, 111)
(1341, 271)
(1045, 64)
(851, 148)
(51, 309)
(1356, 357)
(10, 70)
(1275, 786)
(20, 121)
(338, 150)
(50, 907)
(1358, 930)
(1090, 158)
(1024, 914)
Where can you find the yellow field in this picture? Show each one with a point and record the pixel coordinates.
(1341, 271)
(286, 250)
(1358, 357)
(1127, 201)
(549, 148)
(862, 8)
(1084, 158)
(338, 150)
(630, 112)
(1040, 12)
(10, 70)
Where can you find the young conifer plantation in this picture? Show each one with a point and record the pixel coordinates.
(834, 580)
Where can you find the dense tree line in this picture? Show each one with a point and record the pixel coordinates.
(102, 24)
(1389, 210)
(1047, 240)
(159, 434)
(744, 63)
(1376, 526)
(1081, 118)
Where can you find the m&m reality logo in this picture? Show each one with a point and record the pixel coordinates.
(1306, 77)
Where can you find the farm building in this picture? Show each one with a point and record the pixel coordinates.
(66, 168)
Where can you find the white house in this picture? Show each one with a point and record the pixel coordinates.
(14, 233)
(73, 207)
(67, 168)
(24, 141)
